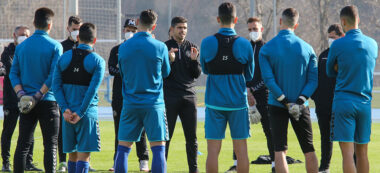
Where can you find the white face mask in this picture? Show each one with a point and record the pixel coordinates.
(74, 35)
(254, 36)
(20, 39)
(330, 41)
(128, 35)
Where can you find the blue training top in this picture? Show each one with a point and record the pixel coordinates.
(34, 63)
(227, 92)
(79, 98)
(288, 66)
(143, 63)
(355, 54)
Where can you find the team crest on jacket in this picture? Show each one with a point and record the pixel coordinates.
(131, 22)
(188, 53)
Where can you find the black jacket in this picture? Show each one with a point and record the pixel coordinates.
(68, 44)
(9, 95)
(324, 94)
(257, 83)
(183, 71)
(117, 98)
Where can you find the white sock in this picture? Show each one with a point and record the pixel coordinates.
(144, 165)
(235, 162)
(273, 164)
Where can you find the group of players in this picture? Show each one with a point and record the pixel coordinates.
(248, 81)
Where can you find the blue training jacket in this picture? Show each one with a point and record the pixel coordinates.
(80, 99)
(288, 66)
(143, 63)
(34, 63)
(355, 54)
(227, 92)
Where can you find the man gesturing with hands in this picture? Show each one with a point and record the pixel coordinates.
(179, 92)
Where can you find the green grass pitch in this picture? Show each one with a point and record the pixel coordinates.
(177, 162)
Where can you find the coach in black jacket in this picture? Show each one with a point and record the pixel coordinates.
(11, 111)
(323, 98)
(179, 93)
(73, 26)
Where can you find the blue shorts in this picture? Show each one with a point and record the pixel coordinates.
(133, 120)
(83, 136)
(216, 122)
(351, 122)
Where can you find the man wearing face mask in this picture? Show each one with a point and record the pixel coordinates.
(323, 98)
(73, 28)
(256, 90)
(130, 28)
(74, 24)
(11, 112)
(179, 92)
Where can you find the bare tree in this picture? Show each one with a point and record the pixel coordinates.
(264, 10)
(322, 8)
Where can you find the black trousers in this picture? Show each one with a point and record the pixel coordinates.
(9, 124)
(61, 154)
(185, 108)
(279, 120)
(141, 147)
(47, 114)
(262, 106)
(324, 119)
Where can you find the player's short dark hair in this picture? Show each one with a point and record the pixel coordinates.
(74, 20)
(87, 33)
(290, 17)
(254, 19)
(227, 13)
(337, 28)
(43, 17)
(148, 18)
(350, 13)
(177, 20)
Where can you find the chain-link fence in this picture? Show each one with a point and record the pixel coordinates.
(102, 13)
(315, 17)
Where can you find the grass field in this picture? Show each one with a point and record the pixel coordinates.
(177, 157)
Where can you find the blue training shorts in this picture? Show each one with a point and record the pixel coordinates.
(83, 136)
(351, 121)
(216, 122)
(133, 120)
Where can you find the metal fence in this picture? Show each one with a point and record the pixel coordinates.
(109, 15)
